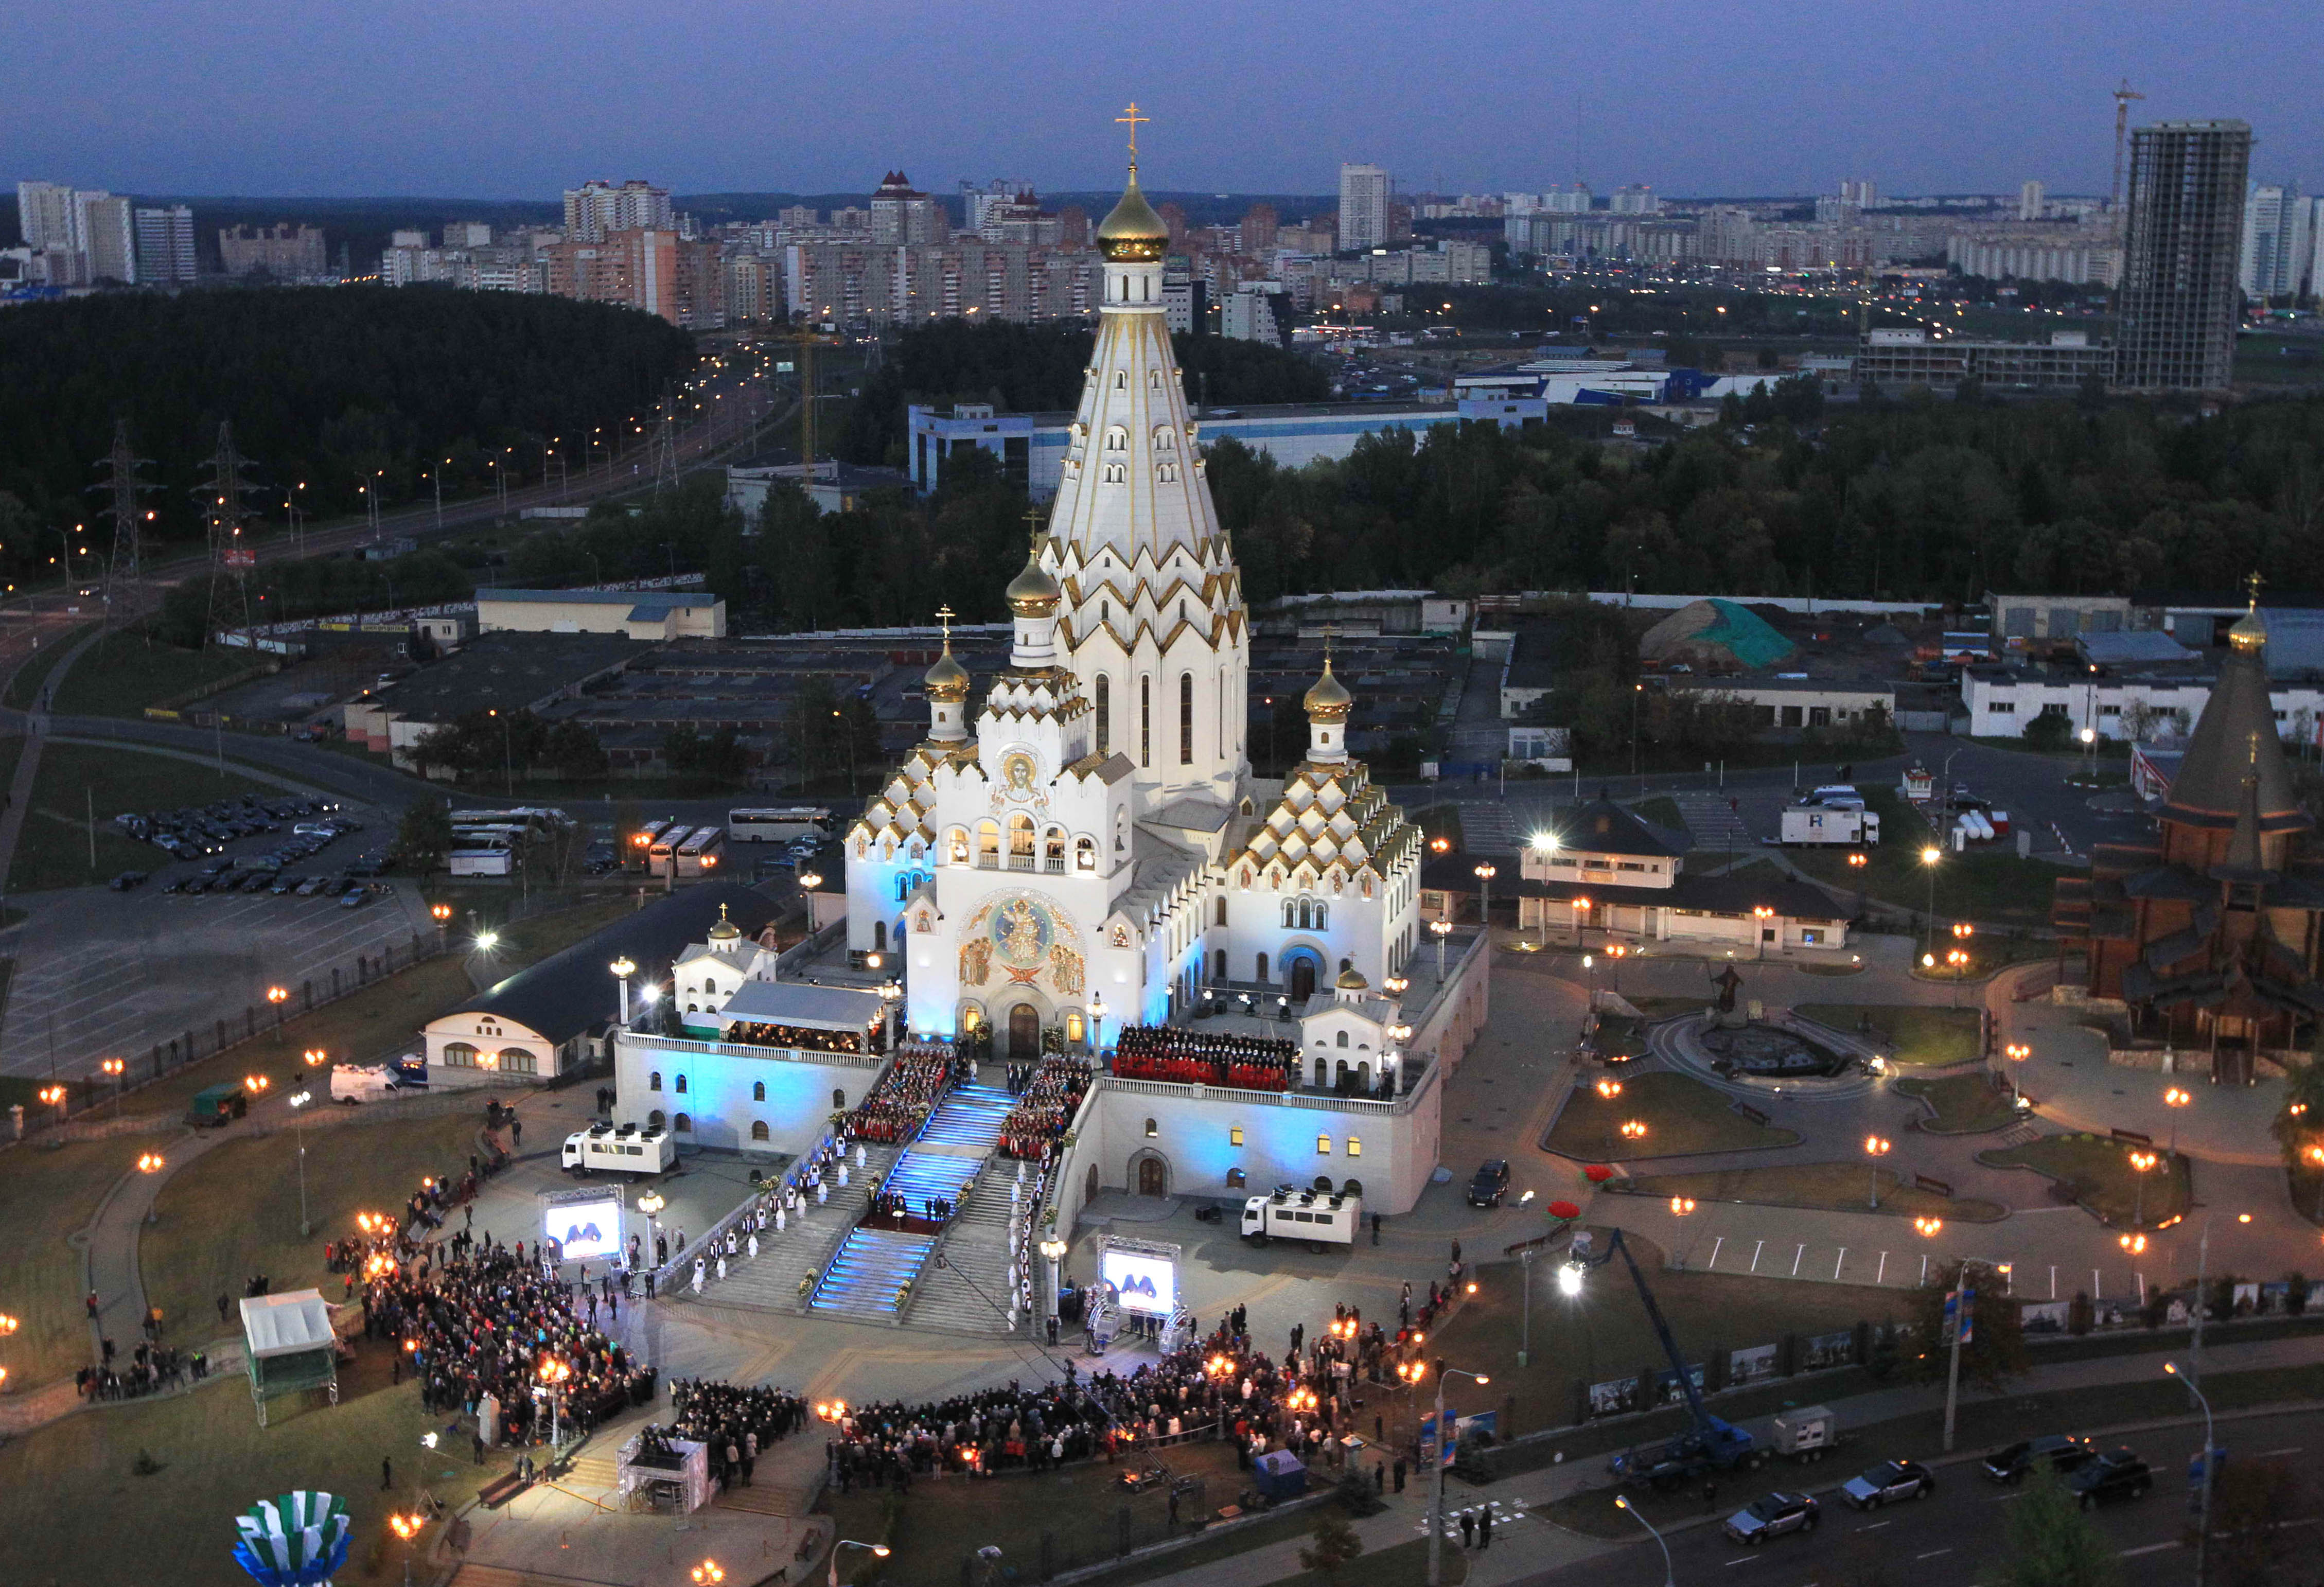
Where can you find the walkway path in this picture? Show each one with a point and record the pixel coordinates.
(36, 725)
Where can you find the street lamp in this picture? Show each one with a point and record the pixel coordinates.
(1485, 875)
(707, 1573)
(1930, 855)
(2210, 1462)
(114, 1070)
(278, 996)
(2175, 1098)
(1761, 914)
(879, 1550)
(1580, 917)
(1097, 1012)
(442, 914)
(1622, 1502)
(624, 967)
(1875, 1146)
(299, 1099)
(1440, 930)
(652, 1203)
(1053, 1251)
(313, 1057)
(1436, 1460)
(2140, 1162)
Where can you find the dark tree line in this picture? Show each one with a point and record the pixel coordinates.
(334, 387)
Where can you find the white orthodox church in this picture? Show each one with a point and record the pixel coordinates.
(1089, 847)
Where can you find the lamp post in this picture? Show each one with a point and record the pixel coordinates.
(1525, 1329)
(2174, 1098)
(1589, 1017)
(1097, 1012)
(879, 1550)
(1436, 1483)
(1485, 875)
(652, 1203)
(442, 914)
(278, 996)
(1580, 917)
(624, 968)
(1053, 1250)
(1544, 844)
(1440, 930)
(1930, 855)
(116, 1071)
(1622, 1502)
(2140, 1162)
(299, 1099)
(1876, 1147)
(2210, 1463)
(1760, 915)
(1962, 1296)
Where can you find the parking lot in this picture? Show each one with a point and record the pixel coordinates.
(103, 972)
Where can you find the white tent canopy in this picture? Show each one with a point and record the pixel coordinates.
(285, 1324)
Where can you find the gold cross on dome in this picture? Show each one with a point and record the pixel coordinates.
(1033, 521)
(1132, 121)
(944, 615)
(2252, 583)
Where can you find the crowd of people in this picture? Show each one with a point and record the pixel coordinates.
(911, 1089)
(151, 1367)
(806, 1038)
(1048, 1097)
(1166, 1052)
(731, 1421)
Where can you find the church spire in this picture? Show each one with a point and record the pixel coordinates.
(1328, 703)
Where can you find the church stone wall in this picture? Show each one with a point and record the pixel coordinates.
(720, 1099)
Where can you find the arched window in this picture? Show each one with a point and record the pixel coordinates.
(1122, 376)
(1262, 966)
(1085, 853)
(838, 1097)
(988, 845)
(655, 1120)
(684, 1123)
(1237, 1179)
(956, 844)
(1104, 711)
(758, 1129)
(1053, 849)
(1167, 473)
(653, 1081)
(1342, 1038)
(1219, 960)
(1165, 439)
(758, 1091)
(681, 1085)
(460, 1054)
(879, 936)
(1021, 841)
(1116, 440)
(1186, 709)
(1222, 909)
(1115, 474)
(1145, 720)
(1153, 380)
(1351, 1187)
(1152, 1130)
(1324, 922)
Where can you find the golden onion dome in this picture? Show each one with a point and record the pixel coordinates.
(1033, 593)
(1353, 981)
(725, 931)
(1133, 232)
(947, 681)
(1329, 700)
(2250, 631)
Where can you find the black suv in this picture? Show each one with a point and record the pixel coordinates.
(2103, 1478)
(1491, 1182)
(2062, 1452)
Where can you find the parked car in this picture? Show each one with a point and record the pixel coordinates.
(1889, 1480)
(2104, 1478)
(1490, 1184)
(355, 897)
(125, 880)
(2061, 1451)
(1771, 1516)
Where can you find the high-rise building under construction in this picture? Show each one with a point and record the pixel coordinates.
(2179, 298)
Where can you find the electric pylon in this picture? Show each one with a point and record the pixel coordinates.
(124, 486)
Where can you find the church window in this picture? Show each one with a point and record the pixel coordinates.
(653, 1081)
(1342, 1040)
(1153, 380)
(1165, 439)
(1323, 1146)
(1222, 729)
(758, 1091)
(1234, 1135)
(1104, 708)
(1167, 473)
(1116, 440)
(1152, 1130)
(879, 936)
(1355, 1147)
(1145, 721)
(1104, 615)
(656, 1119)
(1120, 383)
(460, 1054)
(988, 845)
(1085, 855)
(1185, 709)
(1223, 909)
(681, 1085)
(958, 843)
(1237, 1179)
(1262, 967)
(1053, 849)
(1219, 960)
(684, 1124)
(838, 1098)
(1115, 474)
(758, 1129)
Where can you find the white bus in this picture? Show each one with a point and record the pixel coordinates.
(778, 825)
(698, 854)
(641, 841)
(663, 851)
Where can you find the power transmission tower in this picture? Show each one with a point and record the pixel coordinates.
(2123, 95)
(220, 497)
(665, 445)
(124, 486)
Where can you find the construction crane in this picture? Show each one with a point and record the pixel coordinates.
(2123, 95)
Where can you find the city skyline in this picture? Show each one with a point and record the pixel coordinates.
(1756, 100)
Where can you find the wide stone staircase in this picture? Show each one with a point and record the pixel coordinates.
(867, 1278)
(962, 1293)
(772, 1281)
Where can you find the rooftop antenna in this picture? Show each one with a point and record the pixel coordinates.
(2123, 95)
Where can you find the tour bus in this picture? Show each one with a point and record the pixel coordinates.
(534, 822)
(698, 854)
(778, 825)
(663, 854)
(642, 840)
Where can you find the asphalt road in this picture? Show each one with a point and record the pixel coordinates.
(1952, 1538)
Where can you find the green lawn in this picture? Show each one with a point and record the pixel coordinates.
(1837, 1187)
(1963, 1105)
(26, 682)
(126, 671)
(235, 1212)
(47, 1195)
(2099, 1168)
(1663, 811)
(75, 780)
(1919, 1034)
(176, 1523)
(1603, 1333)
(1621, 1036)
(1682, 1115)
(1994, 886)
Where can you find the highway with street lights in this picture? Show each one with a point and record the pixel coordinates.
(1952, 1538)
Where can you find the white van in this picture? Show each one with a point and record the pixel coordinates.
(624, 1150)
(1835, 796)
(1319, 1217)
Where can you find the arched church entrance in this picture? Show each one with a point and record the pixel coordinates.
(1150, 1174)
(1302, 970)
(1024, 1032)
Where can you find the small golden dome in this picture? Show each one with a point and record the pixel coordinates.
(1353, 981)
(1033, 593)
(947, 681)
(1329, 700)
(2250, 631)
(725, 931)
(1133, 232)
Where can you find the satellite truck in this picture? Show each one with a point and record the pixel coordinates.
(622, 1148)
(1319, 1217)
